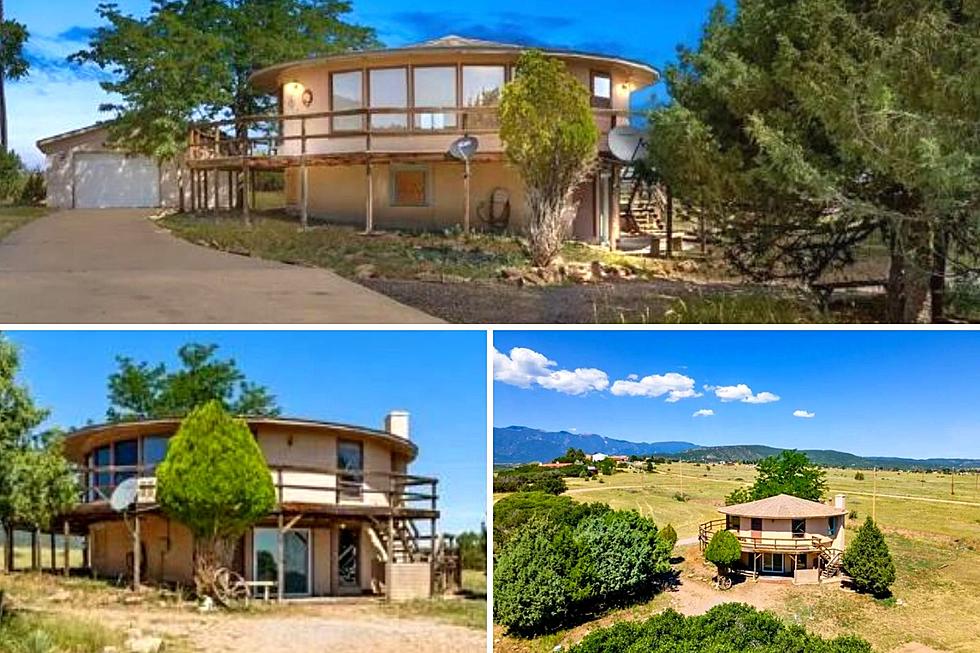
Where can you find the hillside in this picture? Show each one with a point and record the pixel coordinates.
(521, 444)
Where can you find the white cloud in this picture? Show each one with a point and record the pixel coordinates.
(741, 392)
(704, 412)
(804, 414)
(633, 377)
(525, 368)
(521, 368)
(577, 382)
(675, 386)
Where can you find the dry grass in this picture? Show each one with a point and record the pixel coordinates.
(15, 217)
(935, 544)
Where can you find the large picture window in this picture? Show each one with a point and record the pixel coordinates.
(347, 93)
(435, 88)
(409, 186)
(389, 90)
(125, 454)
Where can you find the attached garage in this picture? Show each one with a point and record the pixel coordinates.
(85, 172)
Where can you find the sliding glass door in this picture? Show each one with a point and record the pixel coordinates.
(297, 549)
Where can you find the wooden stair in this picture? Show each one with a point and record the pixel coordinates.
(832, 559)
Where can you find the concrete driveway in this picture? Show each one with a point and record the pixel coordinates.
(117, 266)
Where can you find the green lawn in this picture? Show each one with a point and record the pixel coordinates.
(15, 217)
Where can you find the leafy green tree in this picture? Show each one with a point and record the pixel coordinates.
(625, 554)
(723, 551)
(45, 486)
(19, 417)
(868, 561)
(512, 513)
(789, 472)
(191, 60)
(473, 549)
(13, 65)
(535, 579)
(669, 537)
(551, 138)
(141, 390)
(572, 455)
(11, 174)
(215, 481)
(810, 127)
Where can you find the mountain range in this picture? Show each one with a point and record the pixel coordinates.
(522, 444)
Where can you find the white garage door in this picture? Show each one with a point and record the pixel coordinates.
(107, 180)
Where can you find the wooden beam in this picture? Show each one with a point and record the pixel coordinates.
(670, 222)
(136, 553)
(292, 522)
(466, 194)
(54, 556)
(281, 567)
(304, 193)
(369, 208)
(66, 548)
(389, 563)
(247, 196)
(217, 191)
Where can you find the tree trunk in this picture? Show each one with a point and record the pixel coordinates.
(211, 555)
(937, 281)
(3, 100)
(908, 284)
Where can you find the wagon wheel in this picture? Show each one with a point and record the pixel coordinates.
(229, 587)
(725, 582)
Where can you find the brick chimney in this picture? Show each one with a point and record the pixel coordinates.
(840, 501)
(396, 423)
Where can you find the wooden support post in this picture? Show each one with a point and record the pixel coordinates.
(390, 563)
(280, 567)
(231, 191)
(670, 222)
(369, 209)
(86, 552)
(66, 548)
(703, 228)
(9, 551)
(432, 559)
(35, 558)
(136, 553)
(190, 182)
(874, 497)
(304, 196)
(247, 196)
(180, 187)
(952, 490)
(206, 195)
(217, 190)
(54, 557)
(466, 194)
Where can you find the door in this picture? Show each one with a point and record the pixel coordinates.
(107, 180)
(296, 551)
(772, 563)
(348, 560)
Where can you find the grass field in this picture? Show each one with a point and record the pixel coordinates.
(15, 217)
(934, 538)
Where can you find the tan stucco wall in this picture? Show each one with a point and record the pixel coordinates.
(168, 546)
(60, 171)
(411, 581)
(782, 529)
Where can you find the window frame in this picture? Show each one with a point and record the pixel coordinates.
(408, 101)
(599, 102)
(754, 520)
(798, 532)
(462, 77)
(350, 485)
(394, 169)
(418, 110)
(363, 106)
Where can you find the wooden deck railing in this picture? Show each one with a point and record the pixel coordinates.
(320, 484)
(806, 543)
(293, 134)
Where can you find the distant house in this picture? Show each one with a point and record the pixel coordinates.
(620, 459)
(555, 465)
(598, 457)
(785, 536)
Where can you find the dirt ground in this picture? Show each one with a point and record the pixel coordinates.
(303, 629)
(498, 303)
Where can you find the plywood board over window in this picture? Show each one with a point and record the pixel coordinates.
(409, 186)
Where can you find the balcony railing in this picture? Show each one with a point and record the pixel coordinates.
(806, 543)
(295, 484)
(326, 133)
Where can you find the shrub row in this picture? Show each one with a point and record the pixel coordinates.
(727, 628)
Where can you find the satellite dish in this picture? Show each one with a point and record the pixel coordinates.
(464, 148)
(628, 144)
(124, 495)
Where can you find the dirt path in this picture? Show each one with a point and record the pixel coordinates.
(310, 629)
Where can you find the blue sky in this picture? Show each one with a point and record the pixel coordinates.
(57, 97)
(356, 378)
(910, 394)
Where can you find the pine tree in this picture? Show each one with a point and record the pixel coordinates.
(868, 561)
